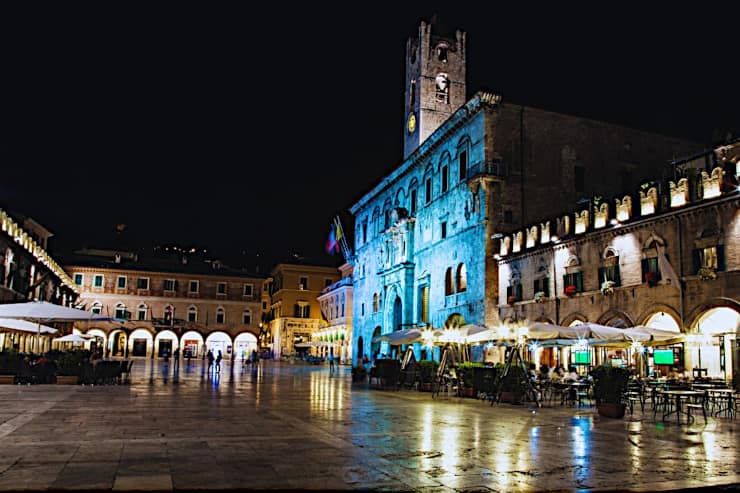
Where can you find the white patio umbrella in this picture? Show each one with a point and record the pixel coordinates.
(43, 311)
(645, 334)
(74, 338)
(24, 326)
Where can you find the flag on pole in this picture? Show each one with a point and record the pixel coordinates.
(331, 243)
(666, 270)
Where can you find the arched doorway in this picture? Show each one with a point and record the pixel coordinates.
(713, 344)
(140, 343)
(117, 343)
(191, 343)
(219, 341)
(166, 343)
(397, 313)
(360, 349)
(375, 346)
(244, 344)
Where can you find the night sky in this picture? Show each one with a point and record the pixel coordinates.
(245, 131)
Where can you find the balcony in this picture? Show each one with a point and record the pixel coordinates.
(493, 167)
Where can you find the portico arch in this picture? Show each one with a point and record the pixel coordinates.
(117, 342)
(140, 342)
(219, 341)
(244, 344)
(166, 342)
(191, 343)
(100, 338)
(713, 333)
(616, 318)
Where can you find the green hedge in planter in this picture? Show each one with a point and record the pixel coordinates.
(428, 370)
(8, 362)
(610, 383)
(70, 363)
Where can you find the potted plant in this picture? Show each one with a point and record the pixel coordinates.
(610, 384)
(359, 373)
(8, 366)
(539, 296)
(651, 278)
(465, 377)
(513, 385)
(570, 290)
(707, 274)
(427, 372)
(69, 367)
(607, 288)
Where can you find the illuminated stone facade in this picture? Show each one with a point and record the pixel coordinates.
(424, 253)
(27, 272)
(168, 303)
(336, 307)
(295, 314)
(676, 267)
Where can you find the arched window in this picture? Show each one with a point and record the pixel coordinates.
(141, 312)
(192, 314)
(449, 286)
(168, 312)
(97, 308)
(220, 315)
(247, 316)
(461, 278)
(375, 302)
(120, 311)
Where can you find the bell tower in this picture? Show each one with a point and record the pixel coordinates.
(435, 81)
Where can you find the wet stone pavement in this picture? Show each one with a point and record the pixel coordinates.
(295, 426)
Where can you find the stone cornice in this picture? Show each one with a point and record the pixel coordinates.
(164, 274)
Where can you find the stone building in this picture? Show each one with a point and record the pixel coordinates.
(167, 302)
(472, 169)
(28, 272)
(295, 315)
(335, 301)
(666, 255)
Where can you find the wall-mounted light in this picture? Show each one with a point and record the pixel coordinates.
(614, 222)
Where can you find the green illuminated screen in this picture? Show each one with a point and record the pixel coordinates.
(663, 356)
(583, 357)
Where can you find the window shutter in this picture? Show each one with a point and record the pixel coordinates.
(508, 291)
(536, 285)
(579, 282)
(519, 292)
(601, 276)
(696, 255)
(720, 257)
(645, 268)
(565, 281)
(545, 287)
(617, 277)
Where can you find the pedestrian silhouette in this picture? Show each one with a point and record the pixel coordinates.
(209, 356)
(218, 361)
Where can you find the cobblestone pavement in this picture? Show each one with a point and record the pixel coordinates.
(295, 426)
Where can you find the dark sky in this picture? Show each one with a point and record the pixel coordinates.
(248, 130)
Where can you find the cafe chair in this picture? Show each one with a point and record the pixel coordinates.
(695, 404)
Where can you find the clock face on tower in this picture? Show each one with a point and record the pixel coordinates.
(411, 123)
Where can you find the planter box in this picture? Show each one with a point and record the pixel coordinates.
(468, 392)
(508, 397)
(426, 387)
(67, 379)
(7, 379)
(611, 410)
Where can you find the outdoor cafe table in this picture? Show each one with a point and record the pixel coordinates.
(677, 396)
(724, 399)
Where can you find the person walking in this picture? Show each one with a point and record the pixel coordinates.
(331, 360)
(177, 357)
(209, 356)
(218, 361)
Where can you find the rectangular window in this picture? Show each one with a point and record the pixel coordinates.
(362, 309)
(650, 270)
(141, 314)
(574, 279)
(424, 304)
(364, 232)
(98, 281)
(579, 178)
(463, 164)
(247, 318)
(248, 290)
(220, 318)
(711, 257)
(303, 283)
(121, 282)
(264, 305)
(301, 311)
(514, 290)
(121, 313)
(609, 273)
(221, 288)
(428, 191)
(169, 285)
(328, 282)
(142, 283)
(508, 217)
(444, 178)
(542, 285)
(413, 201)
(193, 287)
(192, 316)
(444, 229)
(78, 279)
